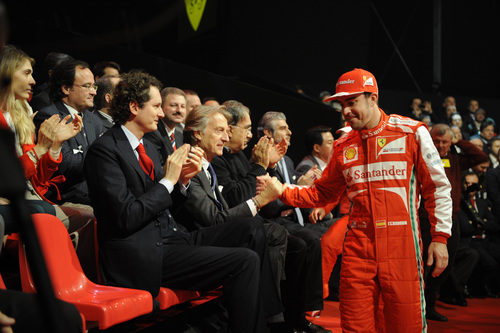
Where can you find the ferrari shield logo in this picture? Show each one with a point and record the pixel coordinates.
(381, 142)
(194, 10)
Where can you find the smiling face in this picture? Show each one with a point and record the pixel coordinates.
(360, 111)
(442, 143)
(81, 94)
(214, 136)
(324, 151)
(174, 108)
(22, 81)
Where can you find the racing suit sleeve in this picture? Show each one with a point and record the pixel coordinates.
(434, 186)
(326, 190)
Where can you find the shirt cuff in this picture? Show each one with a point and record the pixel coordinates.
(168, 184)
(252, 207)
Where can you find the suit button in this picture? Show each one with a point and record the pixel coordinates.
(174, 229)
(157, 224)
(158, 243)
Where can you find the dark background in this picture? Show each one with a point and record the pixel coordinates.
(261, 52)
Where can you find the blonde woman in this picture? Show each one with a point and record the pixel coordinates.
(39, 160)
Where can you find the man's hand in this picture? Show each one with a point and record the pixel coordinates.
(192, 165)
(310, 176)
(277, 152)
(173, 166)
(65, 130)
(262, 182)
(260, 152)
(317, 214)
(437, 253)
(6, 322)
(272, 191)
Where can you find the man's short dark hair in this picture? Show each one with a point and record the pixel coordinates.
(133, 87)
(105, 86)
(99, 67)
(63, 75)
(314, 136)
(52, 59)
(237, 110)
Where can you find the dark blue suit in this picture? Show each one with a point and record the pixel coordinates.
(74, 189)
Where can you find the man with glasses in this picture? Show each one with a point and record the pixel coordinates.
(72, 89)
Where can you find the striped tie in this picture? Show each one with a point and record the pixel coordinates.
(172, 141)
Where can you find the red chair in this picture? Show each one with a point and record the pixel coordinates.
(2, 284)
(105, 305)
(168, 297)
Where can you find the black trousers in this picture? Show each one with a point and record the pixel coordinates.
(234, 255)
(303, 288)
(25, 309)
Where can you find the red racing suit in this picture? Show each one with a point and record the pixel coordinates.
(385, 170)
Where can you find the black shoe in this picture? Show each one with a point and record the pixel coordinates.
(434, 315)
(461, 301)
(308, 327)
(280, 328)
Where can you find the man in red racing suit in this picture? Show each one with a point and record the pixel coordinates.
(386, 163)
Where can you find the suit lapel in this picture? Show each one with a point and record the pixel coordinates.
(128, 154)
(63, 112)
(165, 140)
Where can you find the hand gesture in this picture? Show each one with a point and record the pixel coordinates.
(260, 152)
(272, 192)
(310, 176)
(46, 134)
(277, 152)
(317, 214)
(262, 182)
(6, 323)
(192, 165)
(65, 130)
(174, 163)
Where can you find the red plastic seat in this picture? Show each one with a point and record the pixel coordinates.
(105, 305)
(168, 297)
(2, 284)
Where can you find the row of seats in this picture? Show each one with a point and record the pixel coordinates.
(100, 305)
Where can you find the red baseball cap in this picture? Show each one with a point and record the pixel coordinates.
(354, 82)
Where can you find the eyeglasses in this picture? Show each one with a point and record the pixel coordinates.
(248, 129)
(88, 86)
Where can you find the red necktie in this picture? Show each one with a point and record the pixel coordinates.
(145, 162)
(172, 140)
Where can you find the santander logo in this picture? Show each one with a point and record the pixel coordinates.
(375, 171)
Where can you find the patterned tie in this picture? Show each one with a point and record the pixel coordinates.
(282, 163)
(172, 140)
(145, 162)
(213, 183)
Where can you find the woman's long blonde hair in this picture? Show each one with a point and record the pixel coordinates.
(10, 60)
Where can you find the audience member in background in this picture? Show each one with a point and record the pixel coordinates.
(106, 68)
(205, 206)
(41, 97)
(480, 117)
(479, 230)
(102, 100)
(468, 114)
(456, 132)
(416, 109)
(426, 119)
(192, 101)
(476, 141)
(319, 144)
(168, 137)
(132, 194)
(492, 180)
(494, 147)
(210, 101)
(454, 164)
(39, 160)
(486, 133)
(237, 177)
(450, 109)
(456, 120)
(72, 90)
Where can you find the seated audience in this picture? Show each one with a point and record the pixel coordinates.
(106, 68)
(192, 101)
(168, 137)
(132, 195)
(102, 100)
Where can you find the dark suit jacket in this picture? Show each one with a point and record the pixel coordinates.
(200, 208)
(74, 189)
(161, 141)
(131, 210)
(307, 163)
(106, 124)
(237, 175)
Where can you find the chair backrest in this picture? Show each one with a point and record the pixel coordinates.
(62, 262)
(2, 285)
